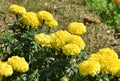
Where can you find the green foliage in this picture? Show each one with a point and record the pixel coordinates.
(107, 9)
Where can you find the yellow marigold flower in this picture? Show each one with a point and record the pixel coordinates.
(16, 9)
(64, 79)
(75, 39)
(5, 69)
(107, 53)
(30, 19)
(51, 23)
(76, 28)
(45, 15)
(42, 39)
(94, 57)
(71, 49)
(89, 67)
(59, 39)
(1, 77)
(110, 66)
(18, 63)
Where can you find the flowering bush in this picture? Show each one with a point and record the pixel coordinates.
(33, 53)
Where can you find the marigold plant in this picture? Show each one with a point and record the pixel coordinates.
(35, 53)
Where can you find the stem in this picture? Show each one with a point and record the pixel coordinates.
(43, 23)
(48, 29)
(16, 16)
(41, 28)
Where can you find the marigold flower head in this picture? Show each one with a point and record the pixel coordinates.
(107, 53)
(76, 28)
(42, 39)
(5, 69)
(51, 23)
(18, 63)
(89, 67)
(94, 57)
(75, 39)
(110, 66)
(16, 9)
(59, 39)
(71, 49)
(45, 15)
(30, 19)
(64, 78)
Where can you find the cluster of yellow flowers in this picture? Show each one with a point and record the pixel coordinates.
(105, 60)
(62, 39)
(14, 63)
(70, 43)
(59, 39)
(32, 19)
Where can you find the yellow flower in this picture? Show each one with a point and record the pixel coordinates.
(42, 39)
(51, 23)
(18, 63)
(78, 41)
(64, 78)
(94, 57)
(71, 49)
(1, 77)
(45, 15)
(107, 53)
(98, 58)
(76, 28)
(89, 67)
(59, 39)
(30, 19)
(16, 9)
(5, 69)
(105, 57)
(110, 66)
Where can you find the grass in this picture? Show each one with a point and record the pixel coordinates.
(66, 11)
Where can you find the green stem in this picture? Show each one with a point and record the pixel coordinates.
(48, 29)
(43, 22)
(16, 16)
